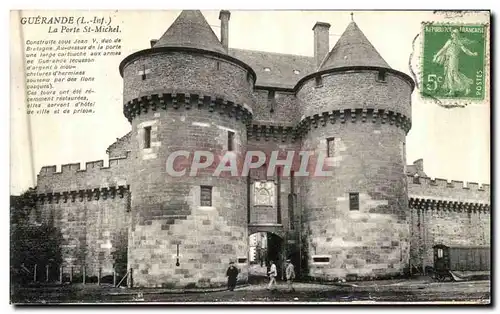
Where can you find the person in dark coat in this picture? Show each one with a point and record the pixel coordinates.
(232, 275)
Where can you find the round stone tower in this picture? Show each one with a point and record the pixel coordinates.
(356, 111)
(185, 94)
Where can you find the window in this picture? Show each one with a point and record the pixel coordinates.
(416, 179)
(267, 69)
(319, 81)
(230, 141)
(206, 196)
(218, 65)
(242, 260)
(144, 73)
(381, 77)
(330, 147)
(271, 98)
(440, 253)
(353, 201)
(296, 72)
(147, 137)
(321, 259)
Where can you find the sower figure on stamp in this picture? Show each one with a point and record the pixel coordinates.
(232, 275)
(290, 274)
(448, 56)
(272, 276)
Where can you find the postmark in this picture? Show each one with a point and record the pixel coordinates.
(454, 62)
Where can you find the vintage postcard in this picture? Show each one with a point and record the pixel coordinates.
(218, 157)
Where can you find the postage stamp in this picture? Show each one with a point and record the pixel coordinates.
(453, 61)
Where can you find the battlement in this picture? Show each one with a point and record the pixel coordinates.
(76, 167)
(73, 176)
(449, 189)
(94, 164)
(453, 184)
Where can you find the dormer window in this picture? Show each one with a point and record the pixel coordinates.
(319, 81)
(382, 76)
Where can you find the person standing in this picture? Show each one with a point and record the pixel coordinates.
(290, 275)
(232, 275)
(272, 276)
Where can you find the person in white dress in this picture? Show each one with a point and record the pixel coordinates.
(448, 56)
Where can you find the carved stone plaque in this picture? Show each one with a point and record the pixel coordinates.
(264, 193)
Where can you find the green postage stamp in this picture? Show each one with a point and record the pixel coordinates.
(453, 61)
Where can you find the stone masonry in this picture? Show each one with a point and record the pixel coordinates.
(374, 217)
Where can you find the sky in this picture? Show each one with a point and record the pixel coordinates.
(454, 143)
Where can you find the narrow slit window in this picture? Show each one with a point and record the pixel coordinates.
(330, 146)
(321, 259)
(218, 65)
(144, 73)
(319, 81)
(382, 76)
(353, 201)
(206, 196)
(271, 98)
(147, 137)
(230, 141)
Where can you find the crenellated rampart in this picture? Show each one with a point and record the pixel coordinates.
(95, 175)
(429, 188)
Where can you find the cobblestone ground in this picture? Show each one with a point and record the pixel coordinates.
(402, 291)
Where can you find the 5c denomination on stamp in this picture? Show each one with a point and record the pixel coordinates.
(453, 61)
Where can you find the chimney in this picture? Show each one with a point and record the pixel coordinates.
(224, 16)
(153, 42)
(321, 41)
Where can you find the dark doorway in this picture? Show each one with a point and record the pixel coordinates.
(264, 248)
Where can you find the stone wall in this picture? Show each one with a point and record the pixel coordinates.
(466, 224)
(355, 89)
(93, 232)
(451, 228)
(166, 209)
(448, 189)
(187, 73)
(285, 109)
(368, 158)
(95, 175)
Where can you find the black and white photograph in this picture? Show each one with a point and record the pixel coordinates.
(250, 157)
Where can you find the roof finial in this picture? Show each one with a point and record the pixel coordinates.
(352, 16)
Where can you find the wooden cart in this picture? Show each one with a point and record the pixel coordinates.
(449, 259)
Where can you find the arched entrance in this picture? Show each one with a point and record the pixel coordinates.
(265, 247)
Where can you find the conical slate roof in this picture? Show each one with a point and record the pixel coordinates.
(353, 49)
(190, 29)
